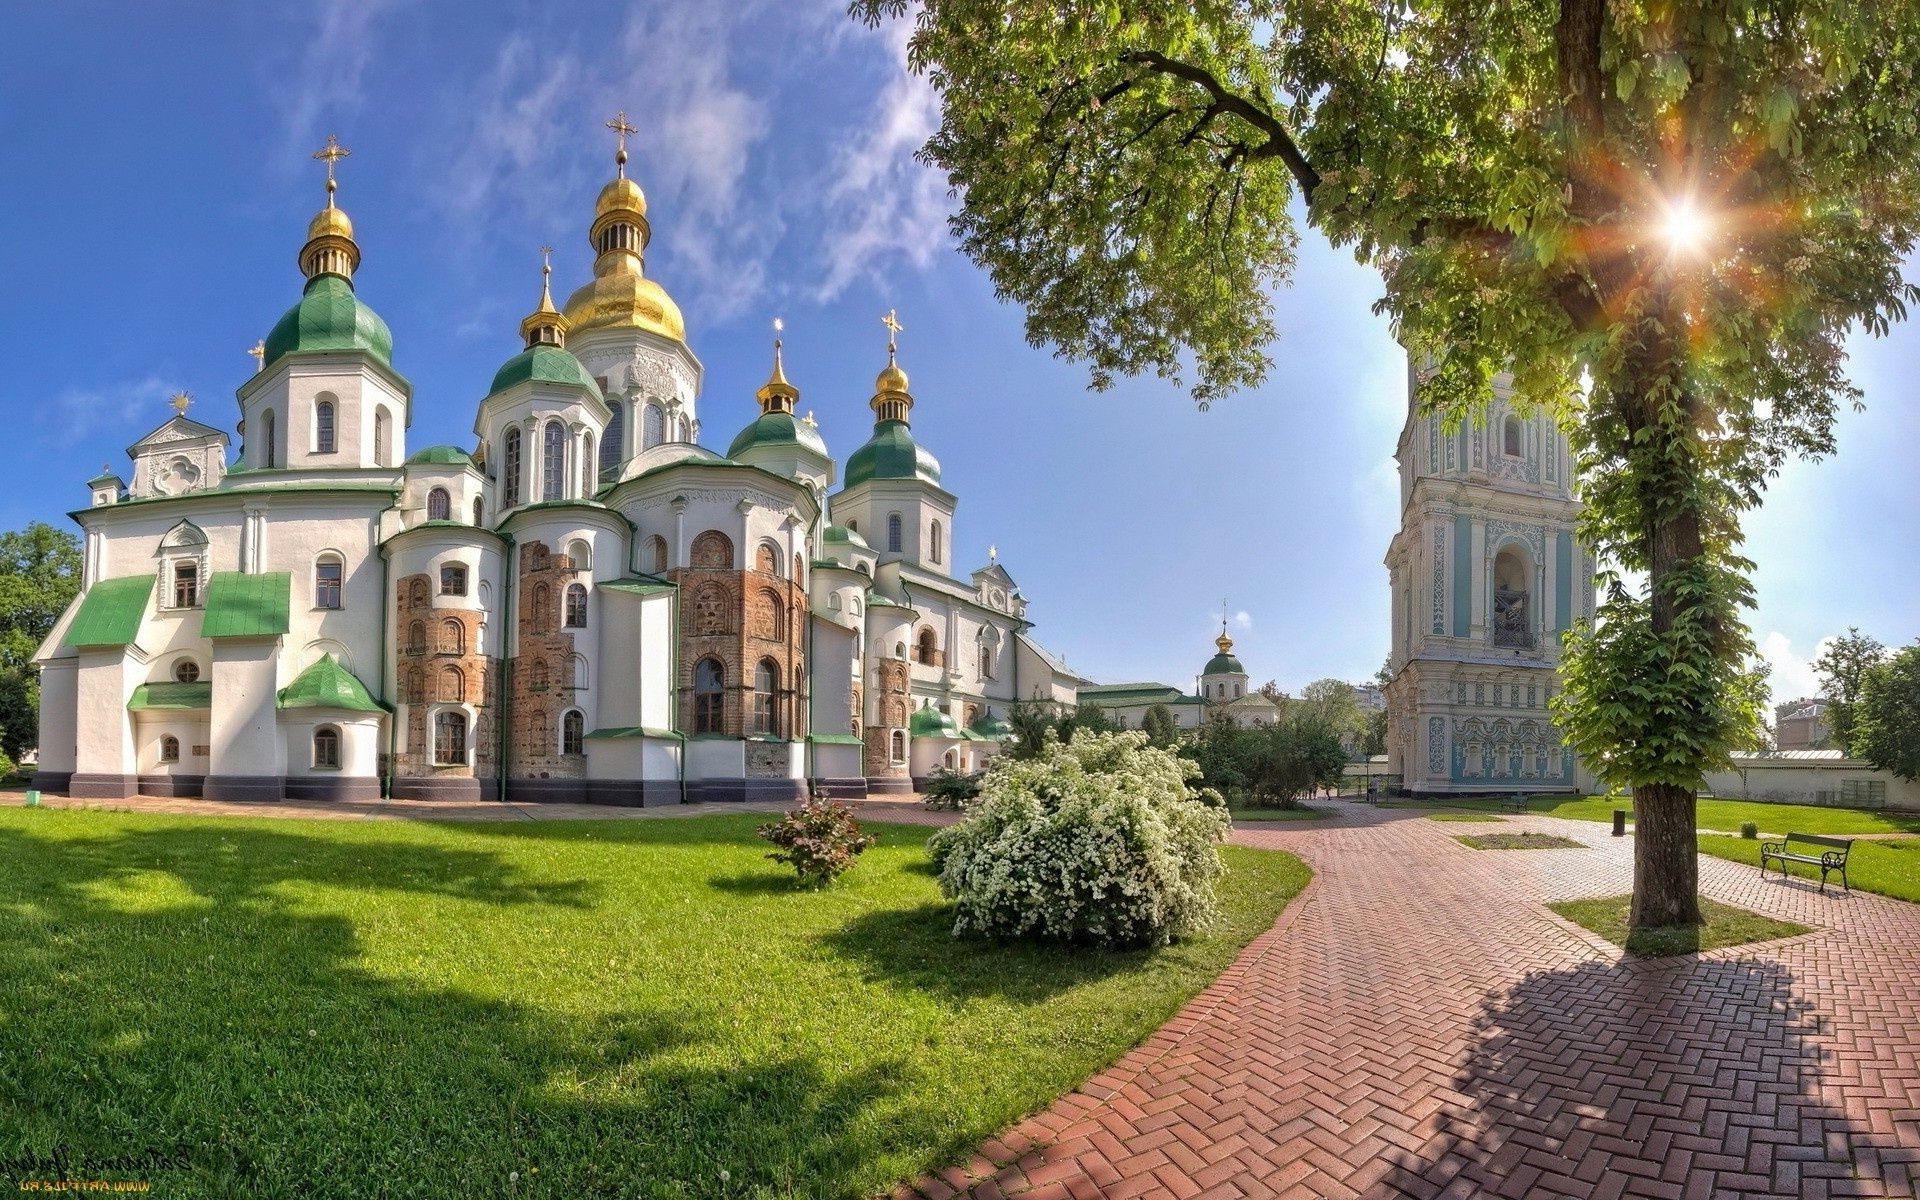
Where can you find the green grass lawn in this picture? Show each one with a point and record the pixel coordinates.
(276, 1008)
(1890, 867)
(1517, 841)
(1252, 813)
(1726, 815)
(1726, 926)
(1476, 818)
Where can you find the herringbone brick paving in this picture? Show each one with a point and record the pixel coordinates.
(1417, 1024)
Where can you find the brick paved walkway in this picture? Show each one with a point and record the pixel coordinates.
(1418, 1025)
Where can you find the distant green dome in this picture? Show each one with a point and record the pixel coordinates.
(989, 726)
(329, 317)
(891, 453)
(778, 429)
(442, 455)
(543, 364)
(931, 722)
(1224, 664)
(842, 535)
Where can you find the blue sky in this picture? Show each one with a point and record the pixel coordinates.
(158, 181)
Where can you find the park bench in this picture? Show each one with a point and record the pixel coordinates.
(1516, 802)
(1832, 858)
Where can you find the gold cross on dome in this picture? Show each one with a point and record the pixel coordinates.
(259, 352)
(330, 154)
(894, 326)
(620, 130)
(180, 401)
(546, 261)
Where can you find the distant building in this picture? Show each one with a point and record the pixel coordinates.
(1802, 725)
(1221, 688)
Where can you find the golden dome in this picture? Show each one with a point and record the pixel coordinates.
(893, 379)
(622, 298)
(330, 222)
(622, 195)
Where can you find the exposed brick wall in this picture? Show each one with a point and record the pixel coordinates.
(438, 659)
(543, 667)
(740, 618)
(891, 712)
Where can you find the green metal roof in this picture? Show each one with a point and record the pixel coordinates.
(834, 739)
(634, 731)
(876, 600)
(891, 453)
(448, 455)
(542, 364)
(639, 587)
(172, 696)
(931, 722)
(1117, 691)
(329, 317)
(1223, 664)
(840, 533)
(240, 605)
(990, 728)
(104, 477)
(111, 613)
(777, 429)
(327, 684)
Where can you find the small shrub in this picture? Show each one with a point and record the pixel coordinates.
(950, 789)
(1097, 841)
(820, 840)
(1749, 830)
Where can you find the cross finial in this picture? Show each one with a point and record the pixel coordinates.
(993, 552)
(180, 401)
(546, 260)
(330, 154)
(259, 352)
(811, 423)
(894, 327)
(620, 130)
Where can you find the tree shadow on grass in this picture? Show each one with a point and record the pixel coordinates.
(170, 1012)
(1678, 1070)
(916, 948)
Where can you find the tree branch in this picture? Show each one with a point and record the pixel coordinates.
(1279, 143)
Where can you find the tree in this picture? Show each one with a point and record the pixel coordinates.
(1334, 702)
(1887, 726)
(1159, 726)
(1661, 220)
(1842, 668)
(1293, 758)
(39, 576)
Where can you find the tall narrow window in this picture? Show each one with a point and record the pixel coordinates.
(326, 748)
(986, 663)
(416, 638)
(573, 732)
(657, 554)
(553, 462)
(382, 435)
(453, 638)
(933, 543)
(1512, 437)
(709, 701)
(654, 429)
(899, 747)
(323, 427)
(326, 583)
(542, 609)
(169, 749)
(186, 585)
(587, 467)
(479, 511)
(538, 679)
(615, 438)
(453, 684)
(893, 533)
(576, 617)
(450, 739)
(766, 686)
(439, 505)
(270, 455)
(510, 468)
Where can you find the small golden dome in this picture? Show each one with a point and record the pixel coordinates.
(622, 195)
(893, 379)
(330, 222)
(625, 299)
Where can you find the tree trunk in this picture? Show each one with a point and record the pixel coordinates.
(1666, 869)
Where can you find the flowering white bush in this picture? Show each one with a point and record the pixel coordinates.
(1097, 840)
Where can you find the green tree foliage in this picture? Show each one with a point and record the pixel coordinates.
(39, 576)
(1843, 668)
(1269, 765)
(1159, 726)
(1034, 721)
(1662, 219)
(1336, 704)
(1886, 729)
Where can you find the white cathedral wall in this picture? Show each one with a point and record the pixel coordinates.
(360, 743)
(59, 696)
(103, 737)
(244, 734)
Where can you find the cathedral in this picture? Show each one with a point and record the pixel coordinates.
(589, 606)
(1487, 578)
(1220, 691)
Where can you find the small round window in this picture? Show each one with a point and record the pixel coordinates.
(186, 671)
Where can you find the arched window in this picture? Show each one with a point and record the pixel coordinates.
(579, 672)
(323, 427)
(326, 748)
(576, 606)
(933, 543)
(553, 462)
(713, 551)
(1512, 599)
(709, 698)
(853, 527)
(766, 686)
(580, 554)
(1511, 437)
(655, 427)
(769, 616)
(927, 649)
(270, 450)
(169, 749)
(450, 739)
(657, 554)
(326, 581)
(587, 463)
(766, 559)
(616, 437)
(416, 638)
(382, 437)
(479, 511)
(418, 593)
(186, 585)
(682, 430)
(453, 685)
(573, 732)
(416, 686)
(453, 637)
(542, 609)
(799, 569)
(986, 663)
(439, 505)
(893, 533)
(186, 671)
(538, 680)
(899, 747)
(510, 467)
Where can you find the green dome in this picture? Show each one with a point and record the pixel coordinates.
(778, 429)
(844, 536)
(1224, 664)
(447, 455)
(931, 722)
(891, 453)
(543, 364)
(990, 726)
(329, 317)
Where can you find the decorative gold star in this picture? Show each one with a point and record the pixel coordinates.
(893, 327)
(180, 401)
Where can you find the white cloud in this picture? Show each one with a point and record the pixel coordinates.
(325, 81)
(1243, 619)
(113, 405)
(1792, 676)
